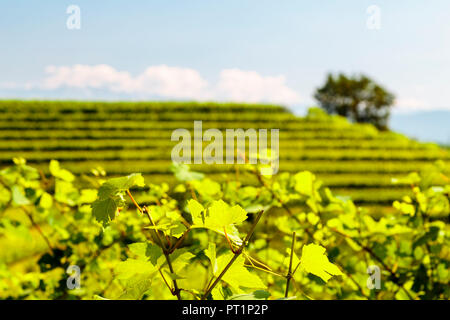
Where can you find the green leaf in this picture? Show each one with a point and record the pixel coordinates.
(180, 259)
(304, 182)
(110, 196)
(18, 196)
(57, 172)
(256, 295)
(46, 201)
(104, 210)
(197, 212)
(218, 217)
(238, 275)
(87, 196)
(221, 292)
(222, 215)
(124, 183)
(174, 276)
(106, 190)
(65, 192)
(116, 185)
(211, 254)
(182, 172)
(132, 267)
(139, 249)
(5, 195)
(315, 261)
(288, 298)
(405, 208)
(146, 251)
(207, 189)
(136, 275)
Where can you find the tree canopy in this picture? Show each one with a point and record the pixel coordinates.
(358, 98)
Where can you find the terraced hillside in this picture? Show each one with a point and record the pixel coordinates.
(354, 160)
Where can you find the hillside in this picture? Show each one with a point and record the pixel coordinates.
(354, 160)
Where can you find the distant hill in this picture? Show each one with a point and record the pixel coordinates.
(432, 126)
(353, 159)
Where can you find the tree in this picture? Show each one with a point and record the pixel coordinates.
(358, 98)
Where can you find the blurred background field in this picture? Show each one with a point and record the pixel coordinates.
(355, 160)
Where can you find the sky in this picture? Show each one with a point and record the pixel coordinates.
(234, 50)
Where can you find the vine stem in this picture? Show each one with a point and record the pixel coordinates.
(308, 232)
(191, 189)
(228, 240)
(179, 241)
(166, 252)
(237, 253)
(290, 273)
(38, 228)
(165, 281)
(134, 201)
(395, 278)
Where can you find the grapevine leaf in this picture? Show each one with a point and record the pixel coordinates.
(46, 201)
(132, 267)
(288, 298)
(18, 196)
(211, 254)
(136, 275)
(110, 196)
(182, 172)
(116, 185)
(5, 195)
(139, 249)
(256, 295)
(146, 251)
(124, 183)
(315, 261)
(197, 212)
(180, 259)
(106, 190)
(104, 210)
(174, 276)
(63, 174)
(238, 275)
(304, 182)
(221, 292)
(207, 189)
(219, 217)
(153, 252)
(87, 196)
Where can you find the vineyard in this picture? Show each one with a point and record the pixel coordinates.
(92, 185)
(354, 160)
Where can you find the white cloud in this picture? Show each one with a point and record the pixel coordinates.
(157, 80)
(168, 82)
(172, 82)
(249, 86)
(410, 104)
(83, 76)
(422, 97)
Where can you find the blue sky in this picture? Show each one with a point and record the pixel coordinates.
(268, 51)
